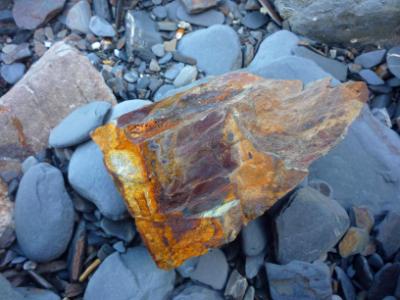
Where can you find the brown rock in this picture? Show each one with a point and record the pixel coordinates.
(59, 82)
(196, 6)
(363, 218)
(7, 235)
(355, 241)
(197, 166)
(30, 14)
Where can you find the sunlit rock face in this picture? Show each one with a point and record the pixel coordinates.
(196, 167)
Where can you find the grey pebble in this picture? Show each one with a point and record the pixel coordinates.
(187, 75)
(131, 275)
(370, 77)
(216, 49)
(299, 280)
(173, 71)
(206, 19)
(393, 61)
(76, 127)
(160, 12)
(254, 239)
(44, 213)
(123, 230)
(158, 50)
(370, 59)
(317, 221)
(78, 17)
(255, 20)
(101, 27)
(89, 177)
(12, 73)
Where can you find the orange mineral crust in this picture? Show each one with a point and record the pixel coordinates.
(196, 167)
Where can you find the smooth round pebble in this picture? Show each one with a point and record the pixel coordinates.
(255, 20)
(89, 177)
(216, 49)
(76, 127)
(127, 106)
(187, 75)
(132, 275)
(13, 72)
(371, 77)
(44, 213)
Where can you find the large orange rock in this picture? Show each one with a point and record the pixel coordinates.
(197, 166)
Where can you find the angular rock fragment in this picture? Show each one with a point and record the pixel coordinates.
(197, 166)
(59, 82)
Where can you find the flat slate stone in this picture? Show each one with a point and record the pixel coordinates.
(30, 14)
(44, 213)
(370, 59)
(293, 68)
(211, 269)
(343, 22)
(132, 275)
(101, 27)
(76, 127)
(364, 169)
(317, 223)
(371, 77)
(89, 177)
(277, 45)
(141, 32)
(337, 69)
(254, 237)
(299, 280)
(216, 49)
(255, 20)
(206, 19)
(78, 17)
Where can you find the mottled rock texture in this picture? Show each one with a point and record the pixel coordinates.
(197, 166)
(59, 82)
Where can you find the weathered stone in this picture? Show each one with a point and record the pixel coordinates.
(354, 242)
(59, 82)
(364, 169)
(196, 166)
(7, 235)
(385, 282)
(196, 6)
(299, 280)
(344, 22)
(30, 14)
(236, 286)
(316, 221)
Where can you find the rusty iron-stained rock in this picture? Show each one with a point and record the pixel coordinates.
(197, 166)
